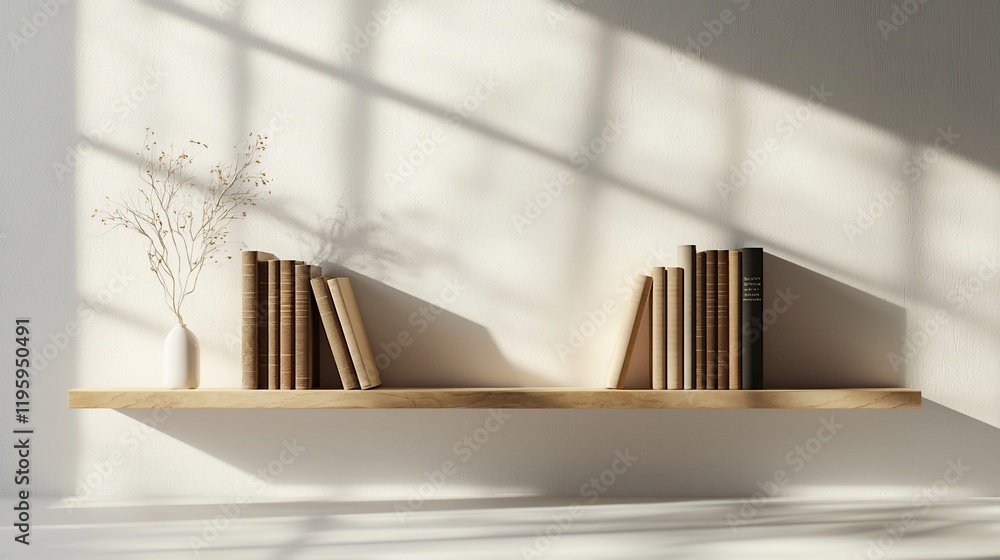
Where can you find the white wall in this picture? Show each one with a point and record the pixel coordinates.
(97, 73)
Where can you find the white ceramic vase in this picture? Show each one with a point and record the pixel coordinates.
(180, 359)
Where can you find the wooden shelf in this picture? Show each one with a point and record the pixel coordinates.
(493, 398)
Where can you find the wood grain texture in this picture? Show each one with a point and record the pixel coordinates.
(493, 398)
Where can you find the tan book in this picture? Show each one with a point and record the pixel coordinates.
(686, 260)
(699, 321)
(286, 315)
(735, 318)
(315, 271)
(636, 307)
(659, 328)
(722, 315)
(354, 332)
(334, 333)
(303, 327)
(273, 324)
(711, 320)
(248, 332)
(675, 328)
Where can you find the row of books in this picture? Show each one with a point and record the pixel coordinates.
(287, 306)
(704, 317)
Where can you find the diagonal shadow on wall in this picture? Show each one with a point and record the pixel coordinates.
(821, 333)
(843, 45)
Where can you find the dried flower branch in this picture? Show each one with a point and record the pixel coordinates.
(184, 225)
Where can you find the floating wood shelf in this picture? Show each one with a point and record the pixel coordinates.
(493, 398)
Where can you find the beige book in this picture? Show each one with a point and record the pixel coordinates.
(315, 271)
(735, 318)
(303, 327)
(248, 332)
(334, 333)
(354, 332)
(286, 316)
(273, 324)
(635, 309)
(675, 328)
(722, 315)
(659, 328)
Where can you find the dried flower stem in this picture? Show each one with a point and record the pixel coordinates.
(182, 240)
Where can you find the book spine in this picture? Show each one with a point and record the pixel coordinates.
(248, 334)
(273, 324)
(315, 271)
(635, 308)
(373, 379)
(699, 321)
(735, 319)
(303, 326)
(262, 340)
(675, 328)
(686, 261)
(659, 327)
(711, 320)
(334, 333)
(752, 373)
(286, 314)
(722, 316)
(345, 327)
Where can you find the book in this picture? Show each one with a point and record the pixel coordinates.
(699, 321)
(659, 328)
(273, 324)
(711, 320)
(315, 271)
(262, 340)
(286, 317)
(735, 318)
(722, 318)
(752, 344)
(250, 323)
(334, 333)
(354, 332)
(303, 327)
(634, 311)
(675, 328)
(686, 261)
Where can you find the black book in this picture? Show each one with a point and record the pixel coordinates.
(752, 374)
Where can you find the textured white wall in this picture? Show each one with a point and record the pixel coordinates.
(537, 80)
